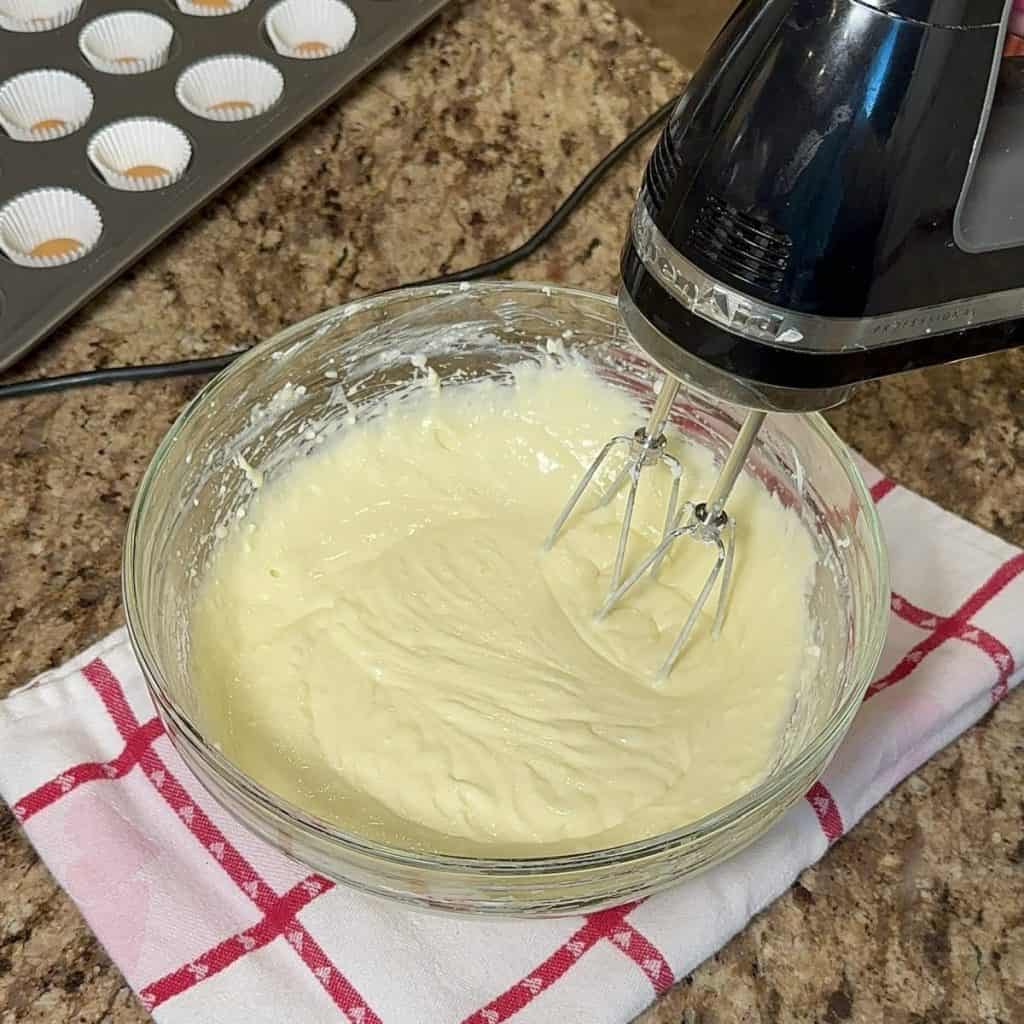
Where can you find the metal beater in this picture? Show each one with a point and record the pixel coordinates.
(705, 521)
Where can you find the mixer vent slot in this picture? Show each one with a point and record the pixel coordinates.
(746, 247)
(661, 171)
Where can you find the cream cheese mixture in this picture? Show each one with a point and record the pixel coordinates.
(383, 642)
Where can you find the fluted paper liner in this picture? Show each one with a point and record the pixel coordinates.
(140, 154)
(229, 88)
(37, 106)
(37, 15)
(210, 8)
(310, 29)
(126, 43)
(48, 227)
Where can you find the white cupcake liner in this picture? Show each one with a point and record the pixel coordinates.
(37, 228)
(126, 43)
(310, 29)
(36, 106)
(37, 15)
(210, 8)
(140, 154)
(229, 88)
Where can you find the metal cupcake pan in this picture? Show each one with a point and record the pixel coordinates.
(134, 192)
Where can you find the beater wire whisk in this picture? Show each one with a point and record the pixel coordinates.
(646, 447)
(705, 521)
(708, 522)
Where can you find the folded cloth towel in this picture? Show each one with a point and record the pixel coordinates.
(209, 924)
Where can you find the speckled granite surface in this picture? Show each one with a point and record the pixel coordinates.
(452, 151)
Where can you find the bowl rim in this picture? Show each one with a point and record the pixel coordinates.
(819, 749)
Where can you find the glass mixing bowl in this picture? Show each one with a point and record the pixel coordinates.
(275, 401)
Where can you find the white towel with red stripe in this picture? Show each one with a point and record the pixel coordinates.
(208, 924)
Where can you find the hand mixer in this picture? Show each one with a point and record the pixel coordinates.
(836, 197)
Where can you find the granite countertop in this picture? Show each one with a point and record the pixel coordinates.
(448, 154)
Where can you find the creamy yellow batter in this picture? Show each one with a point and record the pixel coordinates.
(382, 641)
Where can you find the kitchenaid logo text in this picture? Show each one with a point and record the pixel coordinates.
(725, 306)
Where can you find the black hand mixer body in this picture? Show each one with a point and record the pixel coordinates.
(838, 196)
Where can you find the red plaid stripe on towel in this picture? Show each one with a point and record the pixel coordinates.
(209, 924)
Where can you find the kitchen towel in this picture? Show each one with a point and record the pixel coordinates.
(208, 924)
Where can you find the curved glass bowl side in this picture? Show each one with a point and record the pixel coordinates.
(194, 484)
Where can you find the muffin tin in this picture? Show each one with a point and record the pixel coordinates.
(120, 118)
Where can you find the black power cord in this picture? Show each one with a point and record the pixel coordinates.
(213, 364)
